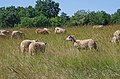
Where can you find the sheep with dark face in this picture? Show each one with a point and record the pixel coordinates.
(82, 44)
(59, 30)
(17, 34)
(24, 45)
(36, 47)
(42, 31)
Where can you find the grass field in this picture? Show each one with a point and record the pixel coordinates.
(61, 59)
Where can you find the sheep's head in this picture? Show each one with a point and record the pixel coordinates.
(70, 38)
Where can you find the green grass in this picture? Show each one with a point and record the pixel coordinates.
(61, 59)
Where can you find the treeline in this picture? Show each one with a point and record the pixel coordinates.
(45, 14)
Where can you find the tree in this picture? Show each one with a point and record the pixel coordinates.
(55, 21)
(78, 18)
(98, 18)
(40, 21)
(48, 8)
(30, 12)
(115, 18)
(26, 22)
(64, 18)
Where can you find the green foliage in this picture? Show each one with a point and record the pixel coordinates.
(8, 20)
(115, 18)
(64, 18)
(55, 21)
(48, 8)
(90, 18)
(26, 22)
(45, 13)
(79, 18)
(40, 21)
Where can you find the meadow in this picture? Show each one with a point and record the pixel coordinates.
(61, 59)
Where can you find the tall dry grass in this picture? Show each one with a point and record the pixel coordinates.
(61, 59)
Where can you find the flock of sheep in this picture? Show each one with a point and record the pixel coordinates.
(35, 46)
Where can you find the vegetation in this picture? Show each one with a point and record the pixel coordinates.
(45, 14)
(61, 59)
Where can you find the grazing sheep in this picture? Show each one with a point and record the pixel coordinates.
(59, 30)
(82, 44)
(2, 36)
(46, 29)
(117, 33)
(97, 26)
(17, 34)
(42, 31)
(115, 39)
(24, 45)
(36, 47)
(5, 32)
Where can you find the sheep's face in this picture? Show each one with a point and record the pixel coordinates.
(69, 38)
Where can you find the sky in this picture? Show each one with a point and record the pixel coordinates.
(71, 6)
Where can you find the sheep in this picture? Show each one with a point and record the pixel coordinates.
(17, 34)
(117, 33)
(59, 30)
(36, 47)
(2, 35)
(5, 32)
(42, 31)
(24, 45)
(82, 44)
(97, 26)
(115, 39)
(46, 29)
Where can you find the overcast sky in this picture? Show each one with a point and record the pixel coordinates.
(71, 6)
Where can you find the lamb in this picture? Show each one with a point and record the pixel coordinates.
(115, 39)
(36, 47)
(59, 30)
(97, 26)
(17, 34)
(42, 31)
(82, 44)
(24, 45)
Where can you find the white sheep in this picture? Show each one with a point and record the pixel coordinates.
(115, 39)
(17, 34)
(2, 35)
(24, 45)
(59, 30)
(97, 26)
(82, 44)
(42, 31)
(117, 33)
(5, 32)
(36, 47)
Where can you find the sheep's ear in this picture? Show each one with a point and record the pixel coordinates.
(45, 43)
